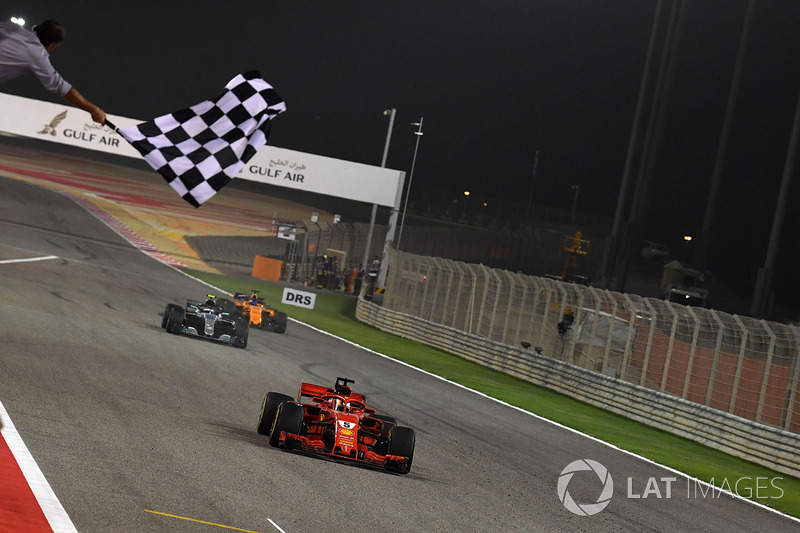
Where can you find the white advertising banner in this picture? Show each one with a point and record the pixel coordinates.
(65, 124)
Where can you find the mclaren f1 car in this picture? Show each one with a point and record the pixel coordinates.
(261, 315)
(217, 319)
(337, 423)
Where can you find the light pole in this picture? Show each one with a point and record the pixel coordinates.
(390, 113)
(577, 189)
(418, 133)
(688, 240)
(533, 181)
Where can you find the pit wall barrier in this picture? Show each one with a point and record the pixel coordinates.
(613, 361)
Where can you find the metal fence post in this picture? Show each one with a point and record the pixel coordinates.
(692, 352)
(449, 291)
(717, 349)
(459, 293)
(611, 324)
(742, 348)
(673, 330)
(794, 382)
(548, 299)
(649, 342)
(767, 369)
(623, 370)
(486, 273)
(511, 284)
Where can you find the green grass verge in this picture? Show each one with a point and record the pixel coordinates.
(336, 313)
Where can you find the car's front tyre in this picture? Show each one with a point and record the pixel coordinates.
(288, 418)
(268, 410)
(174, 319)
(402, 442)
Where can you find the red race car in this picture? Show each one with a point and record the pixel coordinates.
(336, 423)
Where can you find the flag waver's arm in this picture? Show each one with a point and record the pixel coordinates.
(78, 100)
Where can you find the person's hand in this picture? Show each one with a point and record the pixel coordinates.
(98, 115)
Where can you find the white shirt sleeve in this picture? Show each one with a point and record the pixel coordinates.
(42, 68)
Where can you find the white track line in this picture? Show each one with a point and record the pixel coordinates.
(56, 516)
(28, 260)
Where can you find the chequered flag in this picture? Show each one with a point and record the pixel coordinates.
(200, 149)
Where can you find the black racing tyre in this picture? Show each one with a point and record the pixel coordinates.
(288, 418)
(166, 315)
(174, 321)
(401, 442)
(280, 322)
(268, 409)
(241, 332)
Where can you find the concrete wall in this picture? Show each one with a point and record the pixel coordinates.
(761, 444)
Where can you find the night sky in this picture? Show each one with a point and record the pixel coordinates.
(494, 80)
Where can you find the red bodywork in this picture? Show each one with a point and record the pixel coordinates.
(338, 423)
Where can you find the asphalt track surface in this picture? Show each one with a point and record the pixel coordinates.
(137, 430)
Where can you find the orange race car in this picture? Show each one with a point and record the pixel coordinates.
(261, 315)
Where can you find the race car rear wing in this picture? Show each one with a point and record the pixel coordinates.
(246, 296)
(309, 390)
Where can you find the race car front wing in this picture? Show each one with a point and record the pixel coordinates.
(290, 441)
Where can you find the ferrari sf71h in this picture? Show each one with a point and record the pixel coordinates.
(336, 423)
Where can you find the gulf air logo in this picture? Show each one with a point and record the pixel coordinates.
(51, 128)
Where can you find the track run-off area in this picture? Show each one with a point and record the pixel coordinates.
(110, 424)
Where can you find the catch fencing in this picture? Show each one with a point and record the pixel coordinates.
(535, 249)
(739, 365)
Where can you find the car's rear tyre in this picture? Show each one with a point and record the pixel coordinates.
(288, 418)
(241, 332)
(280, 322)
(401, 442)
(268, 409)
(174, 321)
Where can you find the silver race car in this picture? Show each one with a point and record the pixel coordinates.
(214, 318)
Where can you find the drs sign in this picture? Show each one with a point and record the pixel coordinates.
(298, 298)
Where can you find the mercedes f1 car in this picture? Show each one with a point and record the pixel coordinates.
(336, 423)
(261, 315)
(217, 319)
